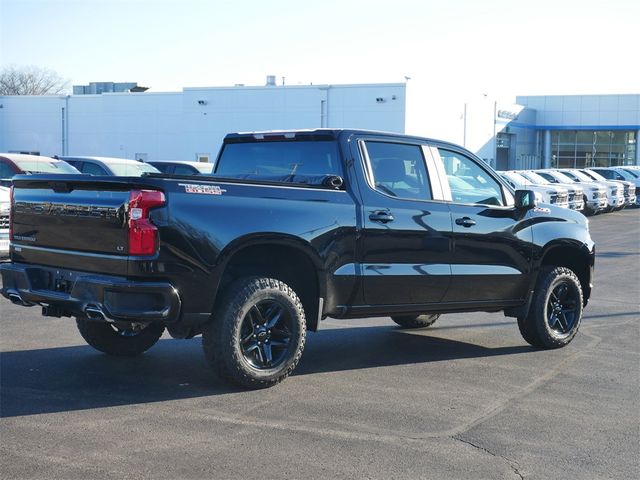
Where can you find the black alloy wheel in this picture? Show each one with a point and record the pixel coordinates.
(265, 335)
(562, 309)
(120, 338)
(257, 332)
(555, 313)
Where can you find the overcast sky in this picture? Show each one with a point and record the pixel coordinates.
(453, 50)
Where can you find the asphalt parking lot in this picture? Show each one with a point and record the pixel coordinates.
(467, 398)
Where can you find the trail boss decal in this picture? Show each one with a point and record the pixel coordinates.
(542, 210)
(202, 189)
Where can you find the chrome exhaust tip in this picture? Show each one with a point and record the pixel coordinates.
(16, 299)
(94, 312)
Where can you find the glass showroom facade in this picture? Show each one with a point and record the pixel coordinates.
(588, 148)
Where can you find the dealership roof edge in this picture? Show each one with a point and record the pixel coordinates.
(574, 127)
(319, 85)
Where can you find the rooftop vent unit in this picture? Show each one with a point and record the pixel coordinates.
(271, 80)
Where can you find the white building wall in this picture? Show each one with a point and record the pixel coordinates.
(31, 124)
(180, 125)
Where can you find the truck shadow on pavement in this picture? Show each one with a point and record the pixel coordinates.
(77, 378)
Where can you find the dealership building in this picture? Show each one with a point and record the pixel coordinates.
(188, 125)
(533, 132)
(555, 131)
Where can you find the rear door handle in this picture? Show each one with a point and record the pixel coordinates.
(465, 222)
(382, 216)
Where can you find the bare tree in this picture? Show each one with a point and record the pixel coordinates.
(31, 80)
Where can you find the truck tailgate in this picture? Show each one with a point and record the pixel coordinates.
(72, 223)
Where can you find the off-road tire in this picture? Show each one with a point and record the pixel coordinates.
(535, 327)
(415, 321)
(120, 342)
(222, 338)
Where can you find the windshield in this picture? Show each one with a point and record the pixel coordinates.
(595, 175)
(517, 178)
(562, 177)
(535, 178)
(131, 169)
(572, 176)
(579, 175)
(45, 166)
(625, 174)
(636, 174)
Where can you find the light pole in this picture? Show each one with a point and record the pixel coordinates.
(495, 140)
(464, 126)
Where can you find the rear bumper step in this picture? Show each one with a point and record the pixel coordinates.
(97, 297)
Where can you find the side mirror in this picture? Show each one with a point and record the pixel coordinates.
(333, 181)
(525, 199)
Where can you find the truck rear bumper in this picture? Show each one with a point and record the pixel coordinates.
(70, 293)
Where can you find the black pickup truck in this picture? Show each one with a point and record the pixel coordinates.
(293, 227)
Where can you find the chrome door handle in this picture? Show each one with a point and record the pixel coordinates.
(465, 222)
(382, 216)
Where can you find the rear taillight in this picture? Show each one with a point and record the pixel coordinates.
(143, 235)
(10, 216)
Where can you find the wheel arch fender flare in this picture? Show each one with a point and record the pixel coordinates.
(286, 241)
(574, 254)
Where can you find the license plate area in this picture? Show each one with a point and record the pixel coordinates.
(51, 279)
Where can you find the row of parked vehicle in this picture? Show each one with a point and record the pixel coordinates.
(15, 164)
(593, 190)
(589, 190)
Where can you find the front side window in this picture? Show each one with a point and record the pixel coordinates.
(469, 183)
(398, 170)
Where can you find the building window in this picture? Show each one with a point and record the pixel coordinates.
(588, 148)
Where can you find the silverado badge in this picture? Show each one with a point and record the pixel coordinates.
(202, 189)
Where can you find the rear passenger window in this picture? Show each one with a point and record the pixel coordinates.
(469, 183)
(184, 170)
(92, 169)
(398, 170)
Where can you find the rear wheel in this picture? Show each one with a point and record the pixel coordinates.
(415, 321)
(257, 334)
(556, 309)
(120, 339)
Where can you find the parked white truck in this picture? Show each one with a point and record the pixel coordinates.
(615, 191)
(576, 201)
(594, 195)
(552, 194)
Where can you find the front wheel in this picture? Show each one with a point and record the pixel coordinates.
(556, 309)
(124, 340)
(257, 334)
(415, 321)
